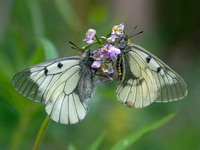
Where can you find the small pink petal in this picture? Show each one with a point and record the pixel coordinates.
(96, 64)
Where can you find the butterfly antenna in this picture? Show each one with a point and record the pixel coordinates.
(136, 34)
(75, 46)
(132, 34)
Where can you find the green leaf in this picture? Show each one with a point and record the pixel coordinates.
(37, 56)
(96, 143)
(49, 48)
(136, 135)
(36, 16)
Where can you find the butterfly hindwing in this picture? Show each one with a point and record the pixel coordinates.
(147, 79)
(57, 83)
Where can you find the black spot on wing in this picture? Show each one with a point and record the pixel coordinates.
(148, 59)
(45, 71)
(60, 65)
(158, 69)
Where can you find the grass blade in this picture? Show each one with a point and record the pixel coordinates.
(136, 135)
(96, 143)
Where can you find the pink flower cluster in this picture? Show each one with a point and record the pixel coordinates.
(107, 53)
(117, 32)
(90, 36)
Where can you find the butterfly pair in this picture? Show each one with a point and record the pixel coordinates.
(64, 85)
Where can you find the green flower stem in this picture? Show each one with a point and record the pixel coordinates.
(88, 46)
(99, 41)
(41, 133)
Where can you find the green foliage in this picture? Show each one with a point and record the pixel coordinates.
(71, 147)
(137, 135)
(30, 29)
(96, 143)
(41, 133)
(68, 13)
(49, 49)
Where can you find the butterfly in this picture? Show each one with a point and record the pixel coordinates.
(145, 78)
(64, 85)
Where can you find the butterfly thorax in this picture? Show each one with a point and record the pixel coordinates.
(86, 85)
(123, 44)
(87, 60)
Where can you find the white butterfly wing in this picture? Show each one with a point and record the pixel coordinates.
(56, 83)
(147, 79)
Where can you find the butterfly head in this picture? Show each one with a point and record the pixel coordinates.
(122, 43)
(87, 58)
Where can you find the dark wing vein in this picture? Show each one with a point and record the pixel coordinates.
(169, 74)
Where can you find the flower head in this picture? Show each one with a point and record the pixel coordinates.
(97, 62)
(117, 32)
(105, 57)
(110, 52)
(107, 68)
(106, 72)
(107, 53)
(90, 36)
(114, 51)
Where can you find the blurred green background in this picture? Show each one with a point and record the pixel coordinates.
(171, 31)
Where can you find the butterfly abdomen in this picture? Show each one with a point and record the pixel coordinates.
(119, 66)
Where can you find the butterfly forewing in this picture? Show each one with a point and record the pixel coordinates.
(137, 88)
(57, 84)
(171, 86)
(147, 79)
